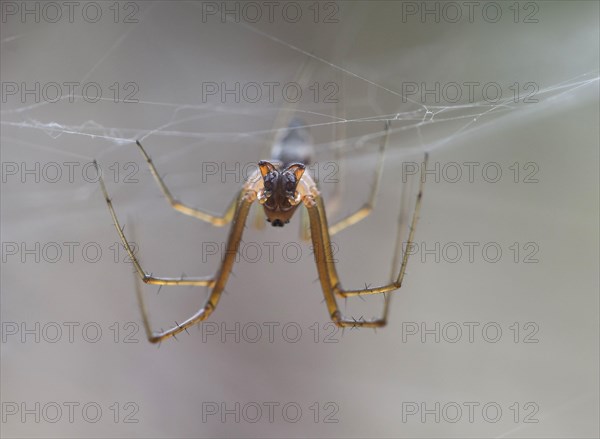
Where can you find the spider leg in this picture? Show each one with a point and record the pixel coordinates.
(235, 235)
(409, 243)
(259, 219)
(146, 278)
(334, 201)
(215, 220)
(304, 226)
(326, 267)
(366, 209)
(339, 132)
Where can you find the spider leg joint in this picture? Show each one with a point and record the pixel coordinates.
(249, 196)
(309, 201)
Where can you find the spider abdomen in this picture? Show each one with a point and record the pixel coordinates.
(296, 145)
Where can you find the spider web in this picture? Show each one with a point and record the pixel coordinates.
(368, 56)
(167, 109)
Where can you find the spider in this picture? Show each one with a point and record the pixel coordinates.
(280, 185)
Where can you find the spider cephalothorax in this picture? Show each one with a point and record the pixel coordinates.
(279, 196)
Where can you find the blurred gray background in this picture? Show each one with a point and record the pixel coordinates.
(418, 377)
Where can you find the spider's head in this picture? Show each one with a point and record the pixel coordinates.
(279, 196)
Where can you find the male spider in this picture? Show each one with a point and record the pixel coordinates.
(280, 185)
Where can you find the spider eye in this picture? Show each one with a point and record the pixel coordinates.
(290, 186)
(268, 181)
(264, 195)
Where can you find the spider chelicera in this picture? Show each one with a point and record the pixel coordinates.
(280, 185)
